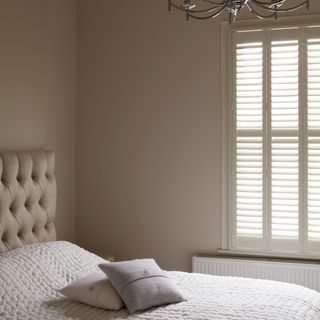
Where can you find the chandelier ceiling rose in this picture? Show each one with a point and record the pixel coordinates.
(262, 9)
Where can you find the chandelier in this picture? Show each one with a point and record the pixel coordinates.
(212, 8)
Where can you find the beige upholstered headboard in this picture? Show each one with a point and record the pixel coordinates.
(27, 198)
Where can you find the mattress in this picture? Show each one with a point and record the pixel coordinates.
(30, 279)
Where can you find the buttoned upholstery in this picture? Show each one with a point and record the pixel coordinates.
(27, 198)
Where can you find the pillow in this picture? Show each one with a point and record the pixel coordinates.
(95, 290)
(141, 284)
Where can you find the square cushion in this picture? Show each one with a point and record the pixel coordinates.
(95, 290)
(141, 284)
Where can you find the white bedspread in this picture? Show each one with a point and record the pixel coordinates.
(30, 278)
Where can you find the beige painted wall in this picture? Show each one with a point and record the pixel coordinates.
(149, 138)
(37, 89)
(148, 132)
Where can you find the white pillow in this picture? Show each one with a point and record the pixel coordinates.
(95, 290)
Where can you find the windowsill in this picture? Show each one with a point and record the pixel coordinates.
(263, 255)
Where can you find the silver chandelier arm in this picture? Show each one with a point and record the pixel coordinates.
(215, 14)
(196, 14)
(261, 16)
(172, 4)
(272, 3)
(266, 7)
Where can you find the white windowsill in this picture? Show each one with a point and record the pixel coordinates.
(269, 254)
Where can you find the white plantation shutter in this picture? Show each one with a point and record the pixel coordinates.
(249, 147)
(313, 61)
(275, 143)
(284, 136)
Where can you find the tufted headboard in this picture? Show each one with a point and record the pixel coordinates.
(27, 198)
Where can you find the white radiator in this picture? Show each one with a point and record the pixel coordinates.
(305, 274)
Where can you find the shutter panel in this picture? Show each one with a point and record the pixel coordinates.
(313, 49)
(285, 141)
(249, 146)
(249, 186)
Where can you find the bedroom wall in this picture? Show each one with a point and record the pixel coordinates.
(148, 122)
(148, 132)
(37, 89)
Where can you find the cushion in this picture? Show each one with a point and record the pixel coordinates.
(141, 284)
(95, 290)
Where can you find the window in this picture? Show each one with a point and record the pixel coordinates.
(273, 138)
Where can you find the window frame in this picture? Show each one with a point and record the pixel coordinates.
(228, 125)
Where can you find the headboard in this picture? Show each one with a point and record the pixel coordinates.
(27, 198)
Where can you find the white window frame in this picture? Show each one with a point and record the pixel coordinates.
(226, 126)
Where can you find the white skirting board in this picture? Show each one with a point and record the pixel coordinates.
(305, 274)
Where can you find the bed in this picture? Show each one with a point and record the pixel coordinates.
(34, 266)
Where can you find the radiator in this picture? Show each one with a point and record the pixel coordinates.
(305, 274)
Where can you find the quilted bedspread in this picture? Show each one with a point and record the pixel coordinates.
(30, 278)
